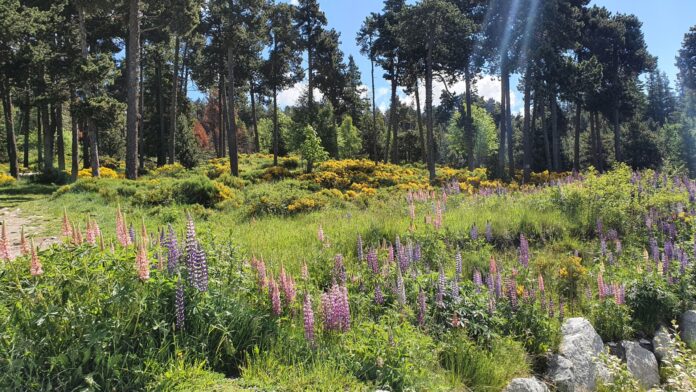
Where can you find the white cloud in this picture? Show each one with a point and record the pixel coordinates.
(295, 2)
(290, 96)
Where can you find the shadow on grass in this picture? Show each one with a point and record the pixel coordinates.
(14, 195)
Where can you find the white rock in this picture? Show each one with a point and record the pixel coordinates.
(577, 366)
(526, 385)
(642, 364)
(687, 326)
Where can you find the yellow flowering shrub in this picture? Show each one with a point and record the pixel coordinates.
(275, 173)
(6, 179)
(172, 170)
(104, 172)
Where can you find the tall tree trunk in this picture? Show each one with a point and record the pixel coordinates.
(429, 108)
(48, 137)
(183, 77)
(276, 134)
(221, 119)
(74, 136)
(555, 137)
(503, 125)
(419, 118)
(545, 134)
(600, 144)
(91, 129)
(310, 75)
(225, 119)
(576, 144)
(25, 132)
(231, 98)
(86, 162)
(60, 150)
(526, 131)
(593, 141)
(133, 76)
(374, 108)
(141, 117)
(175, 91)
(39, 138)
(470, 137)
(508, 116)
(394, 120)
(162, 137)
(617, 135)
(9, 127)
(254, 122)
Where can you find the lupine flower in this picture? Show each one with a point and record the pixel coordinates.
(561, 309)
(261, 273)
(512, 293)
(142, 263)
(390, 256)
(477, 280)
(4, 244)
(131, 233)
(373, 261)
(417, 252)
(524, 251)
(499, 286)
(339, 269)
(439, 298)
(666, 261)
(379, 296)
(360, 248)
(669, 250)
(610, 258)
(603, 246)
(601, 289)
(121, 230)
(308, 314)
(600, 228)
(288, 286)
(336, 309)
(305, 271)
(179, 304)
(66, 226)
(552, 311)
(421, 307)
(654, 250)
(400, 288)
(173, 254)
(91, 233)
(23, 245)
(35, 268)
(474, 232)
(489, 232)
(320, 234)
(201, 264)
(458, 263)
(274, 293)
(77, 235)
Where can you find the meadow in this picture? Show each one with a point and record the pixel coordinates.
(358, 276)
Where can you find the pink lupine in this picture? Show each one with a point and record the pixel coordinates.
(4, 244)
(275, 296)
(142, 263)
(512, 293)
(288, 286)
(373, 261)
(308, 314)
(339, 269)
(478, 281)
(400, 288)
(260, 266)
(90, 233)
(379, 296)
(305, 271)
(35, 268)
(336, 309)
(320, 234)
(121, 229)
(23, 245)
(600, 286)
(66, 226)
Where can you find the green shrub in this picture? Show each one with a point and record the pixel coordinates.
(52, 176)
(232, 181)
(181, 377)
(531, 326)
(611, 321)
(651, 303)
(481, 368)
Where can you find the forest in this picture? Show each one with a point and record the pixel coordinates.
(222, 195)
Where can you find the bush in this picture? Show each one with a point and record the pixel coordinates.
(481, 368)
(6, 180)
(651, 303)
(104, 172)
(611, 321)
(53, 176)
(531, 326)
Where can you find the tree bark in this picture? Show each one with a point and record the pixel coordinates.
(545, 132)
(162, 145)
(25, 132)
(470, 136)
(419, 118)
(133, 77)
(576, 144)
(60, 148)
(175, 91)
(141, 105)
(39, 138)
(91, 129)
(254, 122)
(48, 137)
(374, 108)
(9, 127)
(221, 120)
(75, 137)
(429, 108)
(555, 137)
(276, 134)
(310, 75)
(600, 147)
(231, 98)
(526, 132)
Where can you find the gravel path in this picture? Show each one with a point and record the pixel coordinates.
(15, 219)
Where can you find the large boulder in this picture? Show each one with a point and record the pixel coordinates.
(663, 344)
(577, 367)
(688, 327)
(526, 385)
(642, 364)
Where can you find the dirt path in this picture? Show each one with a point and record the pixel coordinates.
(15, 219)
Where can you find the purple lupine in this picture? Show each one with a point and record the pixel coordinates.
(439, 297)
(400, 288)
(490, 285)
(600, 228)
(455, 289)
(308, 314)
(512, 292)
(694, 247)
(379, 296)
(561, 309)
(489, 232)
(551, 308)
(524, 251)
(612, 235)
(417, 252)
(654, 250)
(360, 248)
(339, 269)
(373, 261)
(336, 309)
(499, 286)
(179, 305)
(131, 233)
(669, 249)
(610, 258)
(666, 262)
(477, 280)
(421, 307)
(390, 256)
(173, 254)
(458, 263)
(683, 261)
(474, 232)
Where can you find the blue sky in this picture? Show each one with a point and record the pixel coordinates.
(664, 23)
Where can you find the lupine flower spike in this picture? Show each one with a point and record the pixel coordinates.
(308, 314)
(421, 307)
(35, 269)
(142, 263)
(320, 234)
(67, 227)
(4, 244)
(23, 245)
(179, 303)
